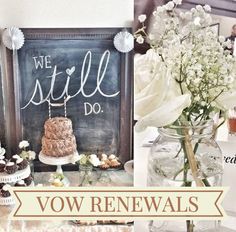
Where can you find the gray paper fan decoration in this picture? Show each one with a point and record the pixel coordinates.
(124, 41)
(13, 38)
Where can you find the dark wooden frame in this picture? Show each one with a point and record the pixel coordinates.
(14, 125)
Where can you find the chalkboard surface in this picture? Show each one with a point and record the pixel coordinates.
(87, 68)
(2, 124)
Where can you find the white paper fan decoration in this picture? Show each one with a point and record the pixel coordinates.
(124, 41)
(13, 38)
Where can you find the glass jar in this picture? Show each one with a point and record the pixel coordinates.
(183, 156)
(85, 175)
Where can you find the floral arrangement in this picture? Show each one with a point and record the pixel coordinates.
(26, 154)
(187, 74)
(89, 160)
(186, 77)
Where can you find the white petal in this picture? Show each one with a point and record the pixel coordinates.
(165, 114)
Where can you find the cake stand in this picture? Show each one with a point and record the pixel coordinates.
(59, 161)
(13, 178)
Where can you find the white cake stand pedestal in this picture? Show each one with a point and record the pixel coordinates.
(59, 161)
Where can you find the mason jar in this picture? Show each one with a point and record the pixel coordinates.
(170, 164)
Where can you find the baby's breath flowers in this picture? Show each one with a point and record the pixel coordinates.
(197, 71)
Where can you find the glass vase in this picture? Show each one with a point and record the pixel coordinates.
(183, 156)
(85, 175)
(31, 164)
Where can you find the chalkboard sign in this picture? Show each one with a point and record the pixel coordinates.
(83, 67)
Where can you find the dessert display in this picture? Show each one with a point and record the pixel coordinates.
(110, 161)
(13, 172)
(5, 191)
(58, 139)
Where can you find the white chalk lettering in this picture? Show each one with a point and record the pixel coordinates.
(85, 71)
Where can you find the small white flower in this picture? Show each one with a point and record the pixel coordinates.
(197, 98)
(151, 36)
(177, 2)
(229, 79)
(182, 15)
(142, 18)
(140, 39)
(81, 156)
(169, 6)
(32, 155)
(159, 9)
(199, 7)
(207, 8)
(196, 21)
(188, 15)
(23, 144)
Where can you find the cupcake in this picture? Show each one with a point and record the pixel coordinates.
(2, 165)
(103, 157)
(28, 180)
(10, 168)
(115, 163)
(104, 165)
(20, 183)
(5, 191)
(21, 163)
(14, 158)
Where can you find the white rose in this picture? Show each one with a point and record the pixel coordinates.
(93, 159)
(158, 100)
(23, 144)
(142, 18)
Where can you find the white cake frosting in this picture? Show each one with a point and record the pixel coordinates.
(19, 160)
(16, 156)
(111, 157)
(2, 162)
(10, 164)
(104, 156)
(6, 187)
(2, 157)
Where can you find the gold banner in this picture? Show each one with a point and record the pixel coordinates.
(118, 203)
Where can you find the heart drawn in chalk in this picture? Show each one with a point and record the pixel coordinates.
(70, 71)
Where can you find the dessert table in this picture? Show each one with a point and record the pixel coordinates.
(142, 145)
(116, 178)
